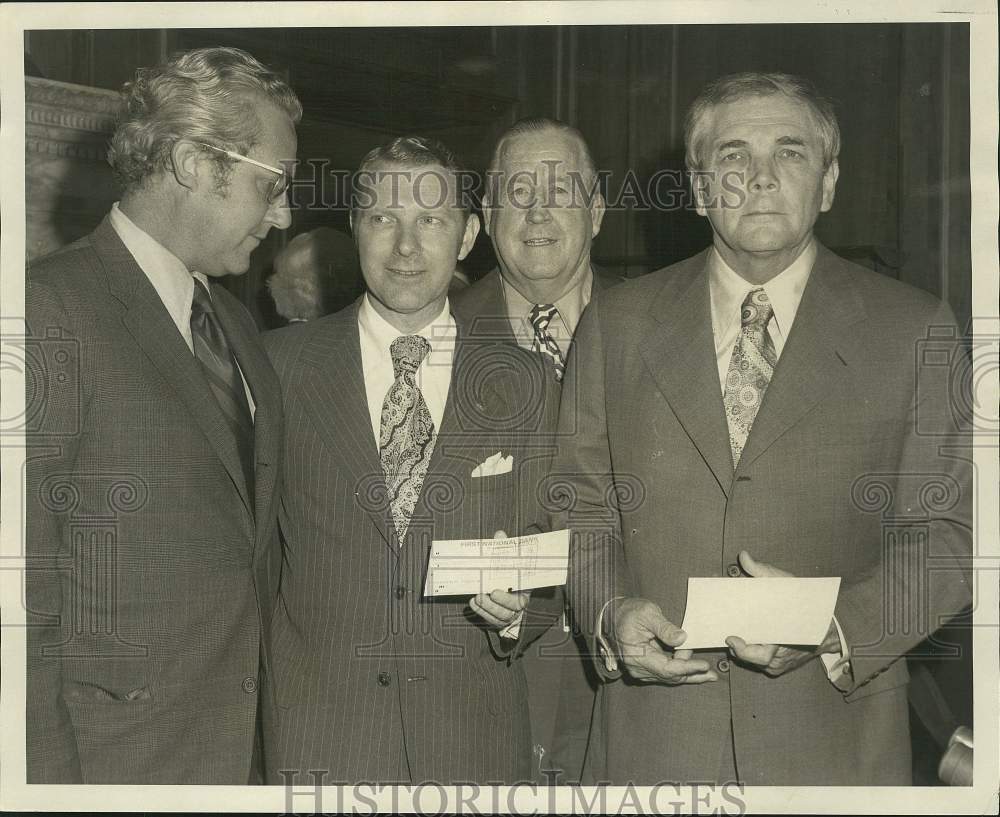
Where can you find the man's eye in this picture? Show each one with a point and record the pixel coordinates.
(379, 218)
(788, 153)
(733, 156)
(430, 220)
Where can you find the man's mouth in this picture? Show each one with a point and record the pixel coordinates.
(404, 272)
(540, 242)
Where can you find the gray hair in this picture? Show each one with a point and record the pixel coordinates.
(207, 95)
(736, 87)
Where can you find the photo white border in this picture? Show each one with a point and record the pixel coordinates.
(15, 19)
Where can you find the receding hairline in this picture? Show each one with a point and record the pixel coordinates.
(572, 134)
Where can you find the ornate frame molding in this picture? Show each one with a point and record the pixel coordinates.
(71, 121)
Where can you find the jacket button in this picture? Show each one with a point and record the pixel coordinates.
(383, 679)
(722, 665)
(400, 592)
(733, 571)
(249, 685)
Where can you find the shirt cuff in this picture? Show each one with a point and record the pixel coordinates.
(838, 664)
(513, 630)
(610, 660)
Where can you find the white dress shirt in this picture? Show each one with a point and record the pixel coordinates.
(433, 377)
(727, 291)
(173, 282)
(570, 306)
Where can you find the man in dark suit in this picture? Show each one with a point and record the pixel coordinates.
(151, 549)
(543, 208)
(745, 412)
(394, 417)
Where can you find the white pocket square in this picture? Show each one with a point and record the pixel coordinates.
(494, 466)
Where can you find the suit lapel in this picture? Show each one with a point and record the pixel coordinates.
(816, 357)
(265, 391)
(149, 323)
(338, 402)
(680, 356)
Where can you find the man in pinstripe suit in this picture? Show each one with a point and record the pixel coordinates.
(390, 409)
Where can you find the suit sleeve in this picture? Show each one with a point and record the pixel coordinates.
(53, 420)
(925, 574)
(581, 493)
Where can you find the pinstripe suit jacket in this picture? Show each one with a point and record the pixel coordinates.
(853, 468)
(150, 570)
(372, 681)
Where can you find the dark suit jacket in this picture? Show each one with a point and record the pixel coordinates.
(845, 473)
(561, 686)
(374, 682)
(151, 573)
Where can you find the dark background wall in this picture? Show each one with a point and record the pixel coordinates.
(901, 92)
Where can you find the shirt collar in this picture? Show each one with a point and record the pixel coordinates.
(728, 290)
(570, 305)
(166, 272)
(440, 333)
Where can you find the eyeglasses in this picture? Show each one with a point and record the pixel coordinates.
(280, 184)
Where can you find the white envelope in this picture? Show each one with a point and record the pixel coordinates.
(494, 466)
(763, 610)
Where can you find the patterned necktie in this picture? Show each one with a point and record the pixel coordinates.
(541, 316)
(750, 369)
(407, 437)
(223, 375)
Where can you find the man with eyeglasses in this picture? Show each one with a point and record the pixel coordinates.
(153, 453)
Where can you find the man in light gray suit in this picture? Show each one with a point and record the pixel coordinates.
(727, 414)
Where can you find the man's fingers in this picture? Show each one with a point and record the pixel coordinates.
(759, 569)
(661, 667)
(491, 612)
(759, 654)
(515, 601)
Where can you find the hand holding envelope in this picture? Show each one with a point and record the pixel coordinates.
(776, 659)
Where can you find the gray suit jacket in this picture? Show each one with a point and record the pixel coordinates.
(375, 682)
(846, 473)
(151, 572)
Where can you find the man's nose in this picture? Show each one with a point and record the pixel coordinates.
(538, 211)
(278, 213)
(763, 176)
(406, 241)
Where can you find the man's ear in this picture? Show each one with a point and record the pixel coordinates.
(189, 165)
(597, 208)
(469, 239)
(487, 211)
(829, 185)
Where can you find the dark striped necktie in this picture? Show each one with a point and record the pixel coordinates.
(542, 316)
(223, 376)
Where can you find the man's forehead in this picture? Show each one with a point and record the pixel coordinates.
(775, 115)
(545, 148)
